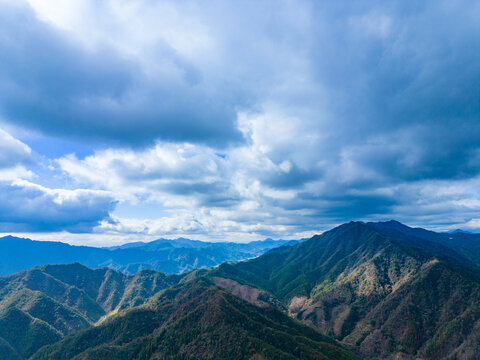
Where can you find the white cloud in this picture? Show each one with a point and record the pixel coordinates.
(14, 173)
(29, 206)
(130, 174)
(12, 151)
(14, 155)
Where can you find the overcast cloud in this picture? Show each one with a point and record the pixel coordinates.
(238, 120)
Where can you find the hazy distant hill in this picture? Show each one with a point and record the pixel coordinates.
(42, 305)
(197, 321)
(168, 256)
(384, 289)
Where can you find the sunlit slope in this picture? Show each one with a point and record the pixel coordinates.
(197, 321)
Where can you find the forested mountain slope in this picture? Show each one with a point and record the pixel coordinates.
(377, 288)
(384, 290)
(197, 320)
(42, 305)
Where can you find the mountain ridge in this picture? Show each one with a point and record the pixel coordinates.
(50, 302)
(198, 320)
(336, 281)
(162, 255)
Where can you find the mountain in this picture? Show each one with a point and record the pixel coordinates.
(42, 305)
(464, 246)
(383, 289)
(197, 320)
(252, 249)
(160, 244)
(167, 256)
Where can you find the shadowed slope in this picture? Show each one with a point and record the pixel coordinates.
(42, 305)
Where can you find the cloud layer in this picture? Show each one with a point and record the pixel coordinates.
(29, 208)
(244, 119)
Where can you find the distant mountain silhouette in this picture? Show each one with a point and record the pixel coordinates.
(168, 256)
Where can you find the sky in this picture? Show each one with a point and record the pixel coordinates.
(132, 120)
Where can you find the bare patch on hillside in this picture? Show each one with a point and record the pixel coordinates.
(245, 292)
(297, 304)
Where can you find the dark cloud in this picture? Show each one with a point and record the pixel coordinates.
(403, 76)
(51, 83)
(326, 112)
(211, 194)
(292, 177)
(27, 207)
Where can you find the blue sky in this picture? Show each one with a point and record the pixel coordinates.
(236, 120)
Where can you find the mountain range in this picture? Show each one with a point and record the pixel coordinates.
(46, 303)
(361, 290)
(168, 256)
(383, 289)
